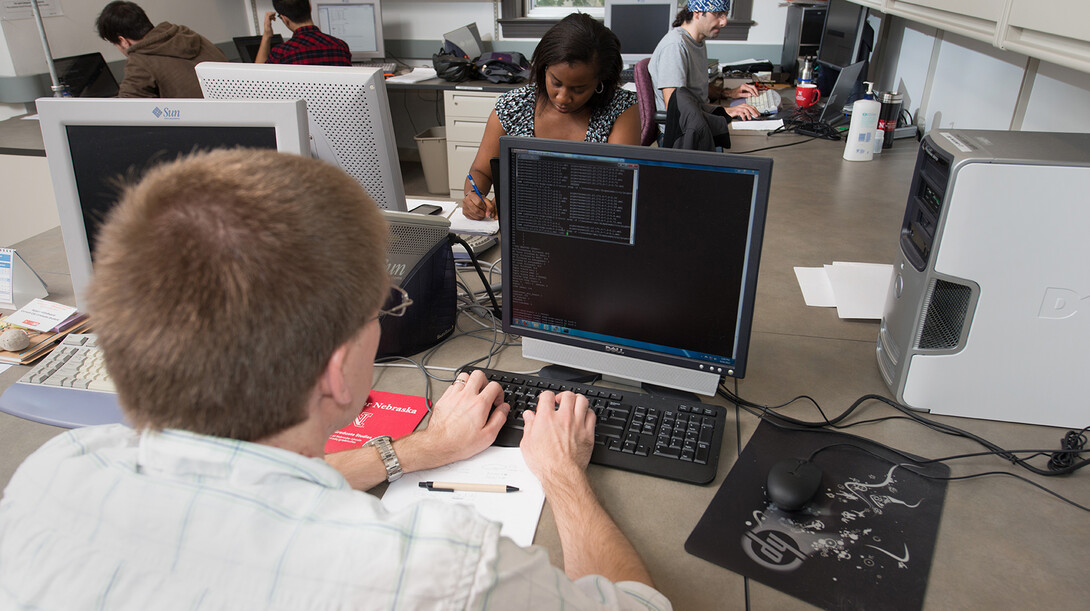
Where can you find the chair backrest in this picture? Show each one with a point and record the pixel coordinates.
(645, 95)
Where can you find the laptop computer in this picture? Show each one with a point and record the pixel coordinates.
(86, 76)
(248, 45)
(832, 107)
(464, 42)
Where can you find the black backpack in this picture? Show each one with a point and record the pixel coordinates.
(503, 67)
(453, 68)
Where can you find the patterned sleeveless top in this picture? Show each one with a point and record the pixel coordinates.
(515, 110)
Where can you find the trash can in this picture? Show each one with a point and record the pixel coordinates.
(432, 144)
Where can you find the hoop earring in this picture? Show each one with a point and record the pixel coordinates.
(601, 87)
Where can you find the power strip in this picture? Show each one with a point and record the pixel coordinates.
(908, 131)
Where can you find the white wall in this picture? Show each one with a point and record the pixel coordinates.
(950, 81)
(771, 18)
(413, 20)
(28, 206)
(74, 33)
(1059, 100)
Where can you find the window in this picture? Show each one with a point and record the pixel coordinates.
(531, 18)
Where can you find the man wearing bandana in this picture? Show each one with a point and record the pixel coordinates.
(681, 59)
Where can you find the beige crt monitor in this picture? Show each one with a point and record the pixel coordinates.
(348, 110)
(91, 144)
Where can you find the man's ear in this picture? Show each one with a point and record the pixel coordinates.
(334, 380)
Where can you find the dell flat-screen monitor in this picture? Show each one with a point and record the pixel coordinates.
(94, 147)
(348, 111)
(633, 262)
(640, 25)
(357, 22)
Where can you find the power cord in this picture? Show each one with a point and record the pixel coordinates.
(477, 266)
(1064, 462)
(1071, 448)
(914, 463)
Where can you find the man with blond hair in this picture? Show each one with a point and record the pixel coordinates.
(237, 297)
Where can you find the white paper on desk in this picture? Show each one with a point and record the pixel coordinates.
(860, 288)
(744, 62)
(816, 290)
(756, 125)
(518, 512)
(415, 76)
(460, 224)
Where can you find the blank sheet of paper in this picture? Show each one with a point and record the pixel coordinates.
(860, 288)
(519, 511)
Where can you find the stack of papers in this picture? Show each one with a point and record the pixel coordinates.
(48, 322)
(413, 76)
(856, 290)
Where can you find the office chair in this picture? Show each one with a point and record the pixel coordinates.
(650, 120)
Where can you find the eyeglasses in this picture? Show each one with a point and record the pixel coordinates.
(399, 309)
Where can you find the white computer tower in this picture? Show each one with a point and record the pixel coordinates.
(988, 312)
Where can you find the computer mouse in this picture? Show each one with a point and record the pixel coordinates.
(792, 483)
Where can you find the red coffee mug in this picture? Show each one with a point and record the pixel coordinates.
(806, 95)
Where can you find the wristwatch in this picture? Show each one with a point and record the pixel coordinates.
(384, 445)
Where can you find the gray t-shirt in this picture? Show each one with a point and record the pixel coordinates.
(679, 61)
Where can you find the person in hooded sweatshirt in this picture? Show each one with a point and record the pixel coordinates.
(160, 58)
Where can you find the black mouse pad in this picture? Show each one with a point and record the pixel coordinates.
(864, 542)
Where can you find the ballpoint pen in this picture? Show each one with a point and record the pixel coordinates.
(473, 183)
(463, 487)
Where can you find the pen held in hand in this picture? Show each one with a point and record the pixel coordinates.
(473, 183)
(465, 487)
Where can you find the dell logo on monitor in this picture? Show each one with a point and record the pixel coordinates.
(615, 349)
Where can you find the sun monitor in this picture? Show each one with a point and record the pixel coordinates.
(93, 144)
(348, 110)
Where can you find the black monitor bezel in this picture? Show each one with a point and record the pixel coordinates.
(763, 166)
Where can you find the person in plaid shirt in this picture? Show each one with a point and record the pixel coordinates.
(308, 45)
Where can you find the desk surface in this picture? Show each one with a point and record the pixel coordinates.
(1001, 543)
(20, 136)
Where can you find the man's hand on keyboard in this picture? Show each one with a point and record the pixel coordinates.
(462, 421)
(742, 91)
(554, 441)
(742, 111)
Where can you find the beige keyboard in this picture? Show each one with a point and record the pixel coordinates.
(766, 103)
(76, 362)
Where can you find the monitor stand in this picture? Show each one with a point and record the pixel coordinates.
(581, 376)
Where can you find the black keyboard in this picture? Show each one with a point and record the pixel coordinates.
(667, 438)
(628, 75)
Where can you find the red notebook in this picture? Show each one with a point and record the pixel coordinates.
(386, 413)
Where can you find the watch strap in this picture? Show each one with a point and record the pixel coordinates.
(384, 445)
